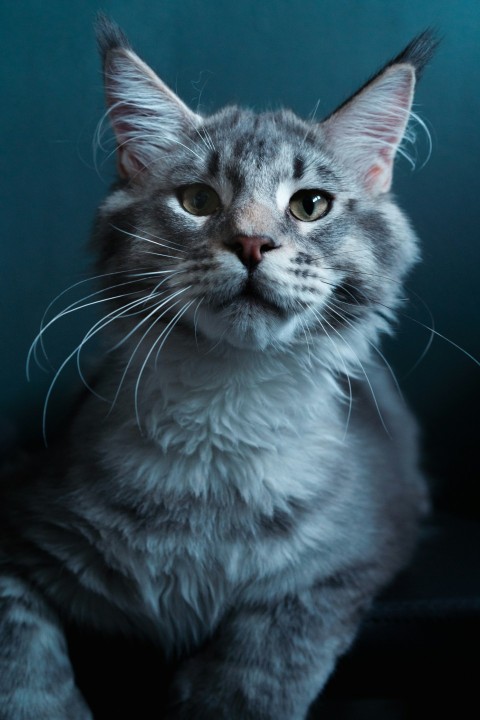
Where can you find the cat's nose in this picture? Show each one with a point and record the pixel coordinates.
(250, 249)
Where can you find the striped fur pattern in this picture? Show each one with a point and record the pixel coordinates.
(252, 481)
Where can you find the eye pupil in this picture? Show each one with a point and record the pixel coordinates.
(309, 205)
(198, 199)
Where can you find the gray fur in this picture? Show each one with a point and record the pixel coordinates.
(255, 482)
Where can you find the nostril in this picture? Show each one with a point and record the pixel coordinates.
(250, 249)
(266, 247)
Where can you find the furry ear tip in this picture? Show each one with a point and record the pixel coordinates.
(419, 51)
(109, 35)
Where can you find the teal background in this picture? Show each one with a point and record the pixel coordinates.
(261, 54)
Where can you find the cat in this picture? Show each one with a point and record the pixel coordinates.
(254, 481)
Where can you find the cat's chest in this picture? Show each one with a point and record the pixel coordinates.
(216, 495)
(189, 563)
(190, 555)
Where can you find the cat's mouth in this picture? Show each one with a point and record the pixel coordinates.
(254, 298)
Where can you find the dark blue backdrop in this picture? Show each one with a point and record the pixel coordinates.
(263, 54)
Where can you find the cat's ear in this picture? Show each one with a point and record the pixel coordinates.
(367, 129)
(147, 117)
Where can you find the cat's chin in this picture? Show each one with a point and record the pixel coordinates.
(245, 328)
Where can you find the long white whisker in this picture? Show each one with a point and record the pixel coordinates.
(72, 308)
(164, 334)
(155, 310)
(205, 138)
(174, 244)
(305, 328)
(443, 337)
(89, 335)
(209, 138)
(154, 242)
(157, 254)
(137, 137)
(430, 329)
(347, 375)
(372, 345)
(94, 330)
(139, 324)
(100, 325)
(195, 319)
(377, 407)
(124, 311)
(33, 347)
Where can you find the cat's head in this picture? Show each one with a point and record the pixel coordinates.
(257, 229)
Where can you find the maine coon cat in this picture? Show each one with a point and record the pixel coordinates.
(252, 481)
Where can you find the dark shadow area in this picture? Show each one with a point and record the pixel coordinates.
(120, 677)
(451, 447)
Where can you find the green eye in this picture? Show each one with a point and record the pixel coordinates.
(309, 205)
(199, 199)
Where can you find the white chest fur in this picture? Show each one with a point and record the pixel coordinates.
(228, 444)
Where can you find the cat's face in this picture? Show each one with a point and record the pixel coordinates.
(256, 230)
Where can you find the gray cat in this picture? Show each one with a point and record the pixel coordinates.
(253, 482)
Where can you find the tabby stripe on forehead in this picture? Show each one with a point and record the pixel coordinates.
(298, 168)
(235, 178)
(213, 164)
(238, 147)
(323, 170)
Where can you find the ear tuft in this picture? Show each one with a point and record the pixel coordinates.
(419, 51)
(109, 36)
(147, 117)
(366, 130)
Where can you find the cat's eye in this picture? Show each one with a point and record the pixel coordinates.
(309, 205)
(199, 199)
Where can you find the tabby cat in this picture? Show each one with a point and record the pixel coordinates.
(252, 481)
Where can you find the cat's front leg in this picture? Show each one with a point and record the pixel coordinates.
(269, 661)
(36, 677)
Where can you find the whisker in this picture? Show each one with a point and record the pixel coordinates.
(173, 322)
(174, 244)
(156, 309)
(164, 334)
(431, 330)
(33, 347)
(306, 329)
(209, 138)
(72, 308)
(372, 345)
(137, 137)
(157, 254)
(134, 330)
(91, 333)
(377, 407)
(347, 374)
(195, 319)
(444, 337)
(205, 138)
(154, 242)
(124, 311)
(314, 111)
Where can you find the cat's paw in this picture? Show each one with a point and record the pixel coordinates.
(209, 690)
(195, 694)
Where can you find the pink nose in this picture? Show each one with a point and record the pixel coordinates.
(250, 249)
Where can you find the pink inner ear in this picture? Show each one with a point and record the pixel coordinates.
(367, 130)
(378, 178)
(127, 164)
